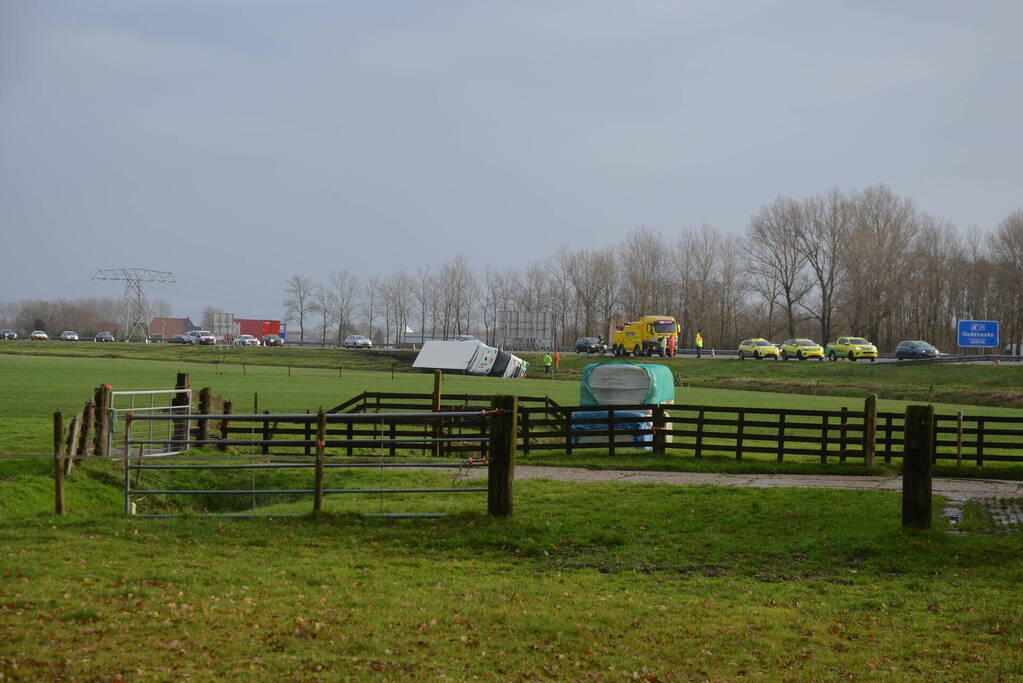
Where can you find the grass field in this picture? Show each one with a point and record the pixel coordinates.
(954, 384)
(584, 582)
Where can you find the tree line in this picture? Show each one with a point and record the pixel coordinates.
(865, 262)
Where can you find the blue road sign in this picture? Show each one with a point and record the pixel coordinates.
(978, 333)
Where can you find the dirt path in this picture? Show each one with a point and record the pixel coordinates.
(958, 489)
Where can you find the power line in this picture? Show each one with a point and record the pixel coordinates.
(136, 310)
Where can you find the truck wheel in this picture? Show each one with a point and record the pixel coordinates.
(636, 351)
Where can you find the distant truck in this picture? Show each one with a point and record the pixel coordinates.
(643, 337)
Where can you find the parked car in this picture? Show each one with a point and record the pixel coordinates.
(357, 341)
(38, 335)
(852, 348)
(916, 349)
(68, 335)
(801, 349)
(271, 340)
(587, 345)
(8, 334)
(204, 337)
(758, 348)
(180, 339)
(104, 337)
(246, 340)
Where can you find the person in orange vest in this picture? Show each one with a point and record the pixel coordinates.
(557, 360)
(699, 344)
(671, 346)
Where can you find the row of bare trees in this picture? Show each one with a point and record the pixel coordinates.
(86, 316)
(865, 262)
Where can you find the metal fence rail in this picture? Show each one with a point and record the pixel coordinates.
(497, 445)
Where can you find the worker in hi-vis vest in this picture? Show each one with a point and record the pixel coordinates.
(699, 344)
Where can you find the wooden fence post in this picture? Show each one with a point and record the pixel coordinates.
(179, 402)
(959, 438)
(438, 378)
(88, 422)
(917, 464)
(224, 436)
(321, 442)
(72, 442)
(869, 430)
(58, 463)
(103, 420)
(843, 430)
(205, 398)
(265, 448)
(781, 437)
(739, 429)
(501, 468)
(659, 429)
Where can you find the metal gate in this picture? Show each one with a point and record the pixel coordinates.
(164, 437)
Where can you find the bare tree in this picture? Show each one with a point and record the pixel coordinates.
(776, 264)
(344, 289)
(826, 222)
(321, 303)
(370, 298)
(298, 291)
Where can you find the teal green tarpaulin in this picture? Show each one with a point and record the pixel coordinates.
(626, 384)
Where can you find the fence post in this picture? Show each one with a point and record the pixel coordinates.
(228, 409)
(659, 429)
(699, 435)
(58, 463)
(781, 437)
(101, 446)
(321, 442)
(869, 430)
(959, 438)
(917, 464)
(980, 442)
(180, 401)
(72, 442)
(205, 398)
(739, 429)
(843, 430)
(88, 420)
(501, 469)
(438, 377)
(265, 448)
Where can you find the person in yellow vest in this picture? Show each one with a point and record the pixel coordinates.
(664, 346)
(547, 360)
(699, 344)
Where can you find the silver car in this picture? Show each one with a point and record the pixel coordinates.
(357, 341)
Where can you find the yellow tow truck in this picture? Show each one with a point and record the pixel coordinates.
(643, 337)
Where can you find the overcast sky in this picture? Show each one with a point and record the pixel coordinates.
(235, 143)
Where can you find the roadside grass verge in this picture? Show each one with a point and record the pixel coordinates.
(592, 581)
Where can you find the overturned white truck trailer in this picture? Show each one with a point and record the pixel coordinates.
(470, 356)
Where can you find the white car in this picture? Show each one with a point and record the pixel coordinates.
(39, 335)
(246, 340)
(68, 335)
(204, 337)
(357, 341)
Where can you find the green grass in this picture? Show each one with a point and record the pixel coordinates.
(586, 581)
(596, 581)
(941, 383)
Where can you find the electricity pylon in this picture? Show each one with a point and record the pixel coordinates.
(136, 311)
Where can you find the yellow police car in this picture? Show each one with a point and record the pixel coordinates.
(801, 349)
(758, 348)
(852, 348)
